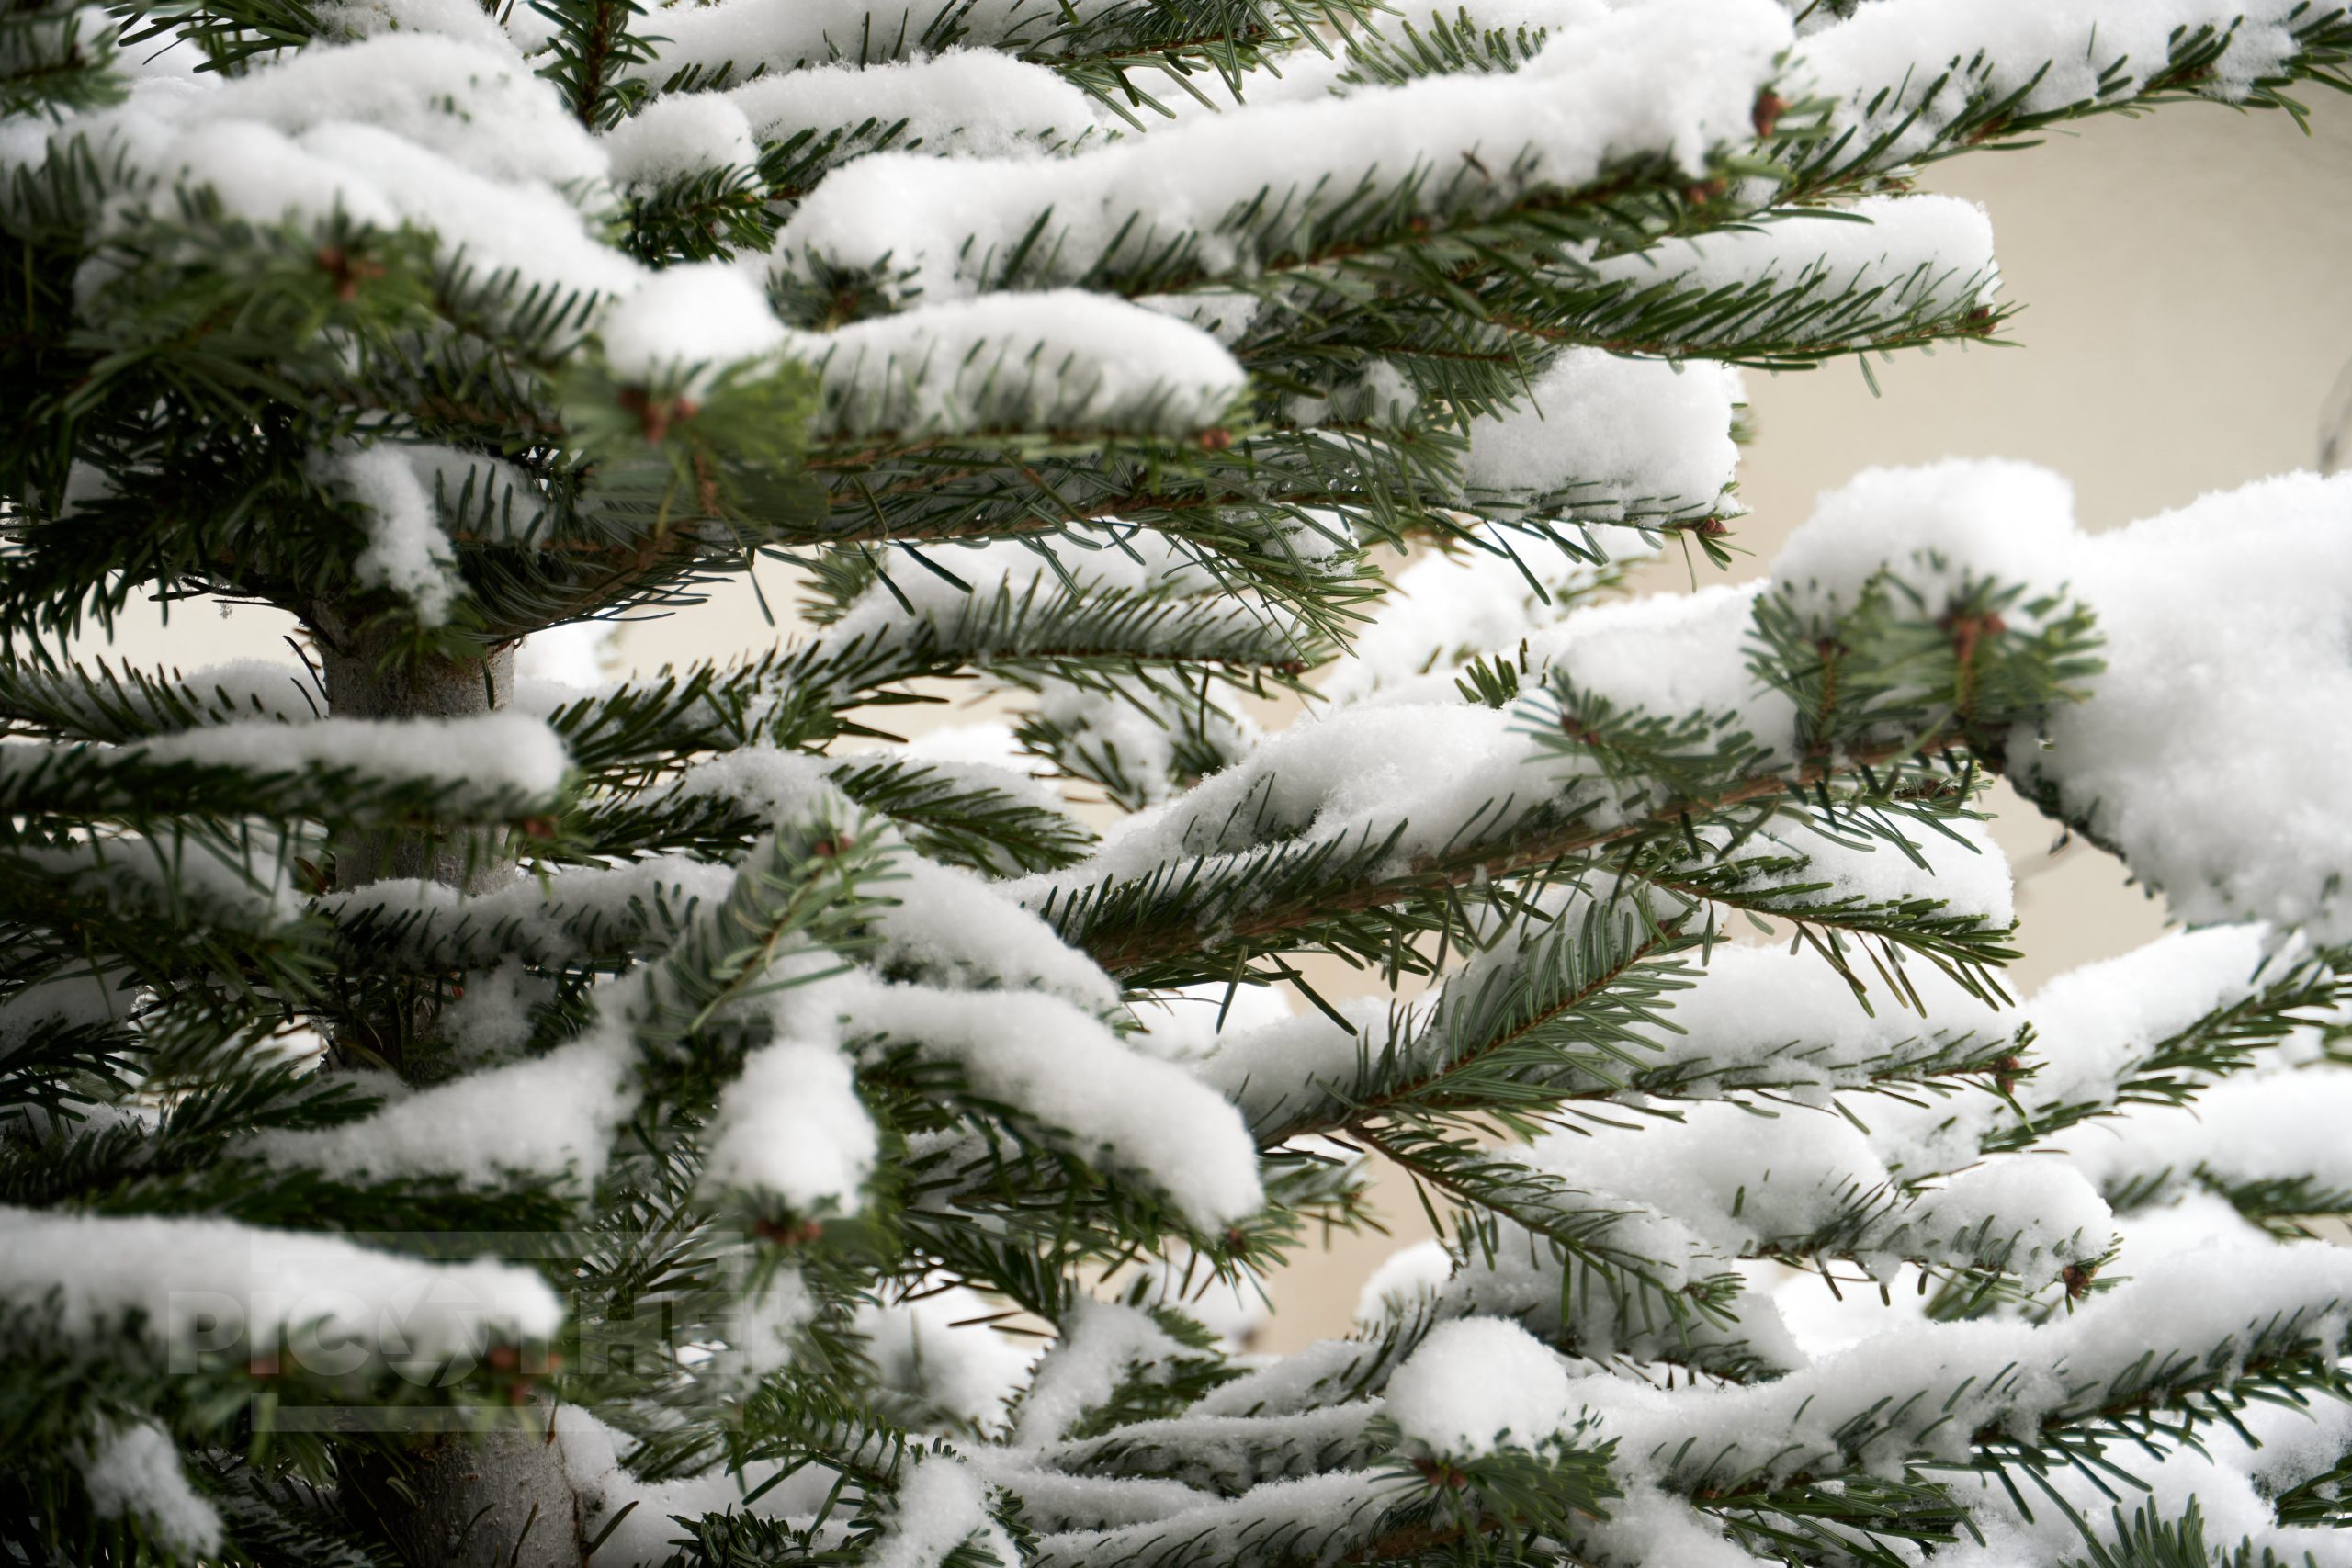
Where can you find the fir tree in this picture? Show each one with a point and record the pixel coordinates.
(448, 1117)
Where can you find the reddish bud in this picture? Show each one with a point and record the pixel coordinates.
(656, 416)
(1769, 108)
(348, 270)
(795, 1233)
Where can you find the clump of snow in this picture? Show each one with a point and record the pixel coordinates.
(677, 136)
(697, 321)
(1407, 1280)
(134, 1470)
(792, 1126)
(2206, 753)
(1477, 1384)
(2195, 755)
(941, 1503)
(1597, 436)
(1060, 359)
(974, 102)
(942, 1345)
(767, 1317)
(407, 553)
(1943, 529)
(579, 655)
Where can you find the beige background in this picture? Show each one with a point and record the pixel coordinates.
(2188, 311)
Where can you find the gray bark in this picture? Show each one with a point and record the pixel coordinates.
(479, 1500)
(362, 682)
(482, 1500)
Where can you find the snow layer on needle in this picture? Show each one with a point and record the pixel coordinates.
(1931, 254)
(2092, 1027)
(551, 1115)
(2234, 1483)
(494, 754)
(977, 102)
(193, 1279)
(1446, 609)
(1960, 868)
(1322, 1516)
(1136, 560)
(1064, 1068)
(779, 35)
(543, 920)
(2282, 1126)
(1670, 654)
(352, 21)
(1767, 1015)
(1103, 1345)
(1932, 1386)
(1929, 56)
(1064, 358)
(240, 689)
(677, 136)
(1477, 1384)
(1428, 770)
(1741, 1182)
(1674, 78)
(951, 925)
(1596, 433)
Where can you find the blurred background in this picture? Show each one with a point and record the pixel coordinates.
(2187, 279)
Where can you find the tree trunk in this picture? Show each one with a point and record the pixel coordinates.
(364, 682)
(482, 1500)
(497, 1499)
